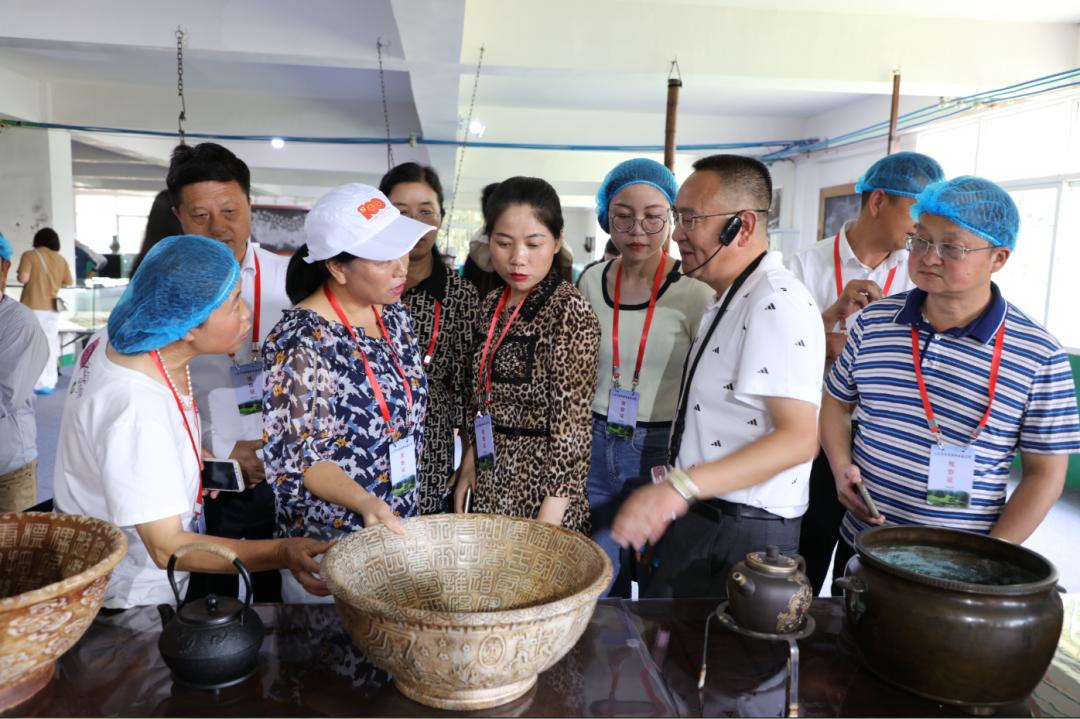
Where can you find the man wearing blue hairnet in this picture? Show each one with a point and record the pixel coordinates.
(24, 350)
(129, 451)
(946, 382)
(864, 261)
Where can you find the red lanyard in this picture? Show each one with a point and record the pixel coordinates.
(376, 390)
(483, 390)
(840, 275)
(183, 415)
(995, 364)
(615, 359)
(257, 309)
(434, 335)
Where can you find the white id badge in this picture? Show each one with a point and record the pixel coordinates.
(622, 412)
(485, 442)
(952, 476)
(247, 382)
(402, 466)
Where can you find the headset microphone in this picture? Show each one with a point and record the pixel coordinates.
(727, 236)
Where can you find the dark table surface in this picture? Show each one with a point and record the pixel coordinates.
(637, 659)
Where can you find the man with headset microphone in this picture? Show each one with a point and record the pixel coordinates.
(746, 427)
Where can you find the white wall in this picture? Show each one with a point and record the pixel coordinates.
(580, 222)
(36, 169)
(834, 167)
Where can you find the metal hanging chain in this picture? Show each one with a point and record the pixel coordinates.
(385, 108)
(461, 153)
(182, 117)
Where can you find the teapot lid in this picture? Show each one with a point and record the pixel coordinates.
(771, 561)
(211, 610)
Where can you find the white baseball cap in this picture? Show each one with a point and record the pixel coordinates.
(360, 220)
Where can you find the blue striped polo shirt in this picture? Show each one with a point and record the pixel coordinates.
(1034, 407)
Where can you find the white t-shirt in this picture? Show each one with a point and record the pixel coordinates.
(815, 266)
(679, 305)
(222, 424)
(125, 457)
(769, 343)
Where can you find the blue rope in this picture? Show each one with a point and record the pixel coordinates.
(788, 148)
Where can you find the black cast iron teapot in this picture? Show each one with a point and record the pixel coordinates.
(212, 642)
(768, 592)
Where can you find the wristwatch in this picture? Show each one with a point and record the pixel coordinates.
(679, 480)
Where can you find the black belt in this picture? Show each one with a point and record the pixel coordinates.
(520, 431)
(640, 425)
(108, 612)
(709, 508)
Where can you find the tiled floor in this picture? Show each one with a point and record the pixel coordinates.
(1053, 539)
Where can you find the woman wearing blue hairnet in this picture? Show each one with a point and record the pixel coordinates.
(346, 392)
(648, 314)
(129, 450)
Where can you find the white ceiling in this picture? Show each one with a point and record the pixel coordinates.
(557, 71)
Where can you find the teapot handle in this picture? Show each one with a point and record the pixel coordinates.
(800, 562)
(223, 552)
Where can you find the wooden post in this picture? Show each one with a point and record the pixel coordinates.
(673, 85)
(893, 113)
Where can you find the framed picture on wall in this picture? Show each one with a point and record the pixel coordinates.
(837, 205)
(278, 229)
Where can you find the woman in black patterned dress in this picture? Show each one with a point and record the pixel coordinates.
(444, 308)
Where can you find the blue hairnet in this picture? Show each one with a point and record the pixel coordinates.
(975, 204)
(5, 248)
(902, 173)
(639, 171)
(181, 280)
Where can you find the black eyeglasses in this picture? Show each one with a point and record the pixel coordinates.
(945, 250)
(687, 222)
(650, 224)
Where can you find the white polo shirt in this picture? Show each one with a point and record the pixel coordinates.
(769, 343)
(815, 266)
(223, 425)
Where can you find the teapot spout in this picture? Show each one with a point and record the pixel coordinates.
(167, 613)
(743, 583)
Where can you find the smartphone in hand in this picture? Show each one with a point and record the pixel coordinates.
(223, 475)
(864, 495)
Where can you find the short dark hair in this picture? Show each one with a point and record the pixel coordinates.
(485, 196)
(303, 279)
(745, 174)
(47, 237)
(412, 172)
(537, 194)
(205, 162)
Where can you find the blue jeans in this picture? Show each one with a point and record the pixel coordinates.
(619, 466)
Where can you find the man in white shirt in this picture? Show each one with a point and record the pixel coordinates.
(746, 428)
(865, 261)
(211, 190)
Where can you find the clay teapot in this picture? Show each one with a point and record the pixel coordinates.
(768, 592)
(212, 642)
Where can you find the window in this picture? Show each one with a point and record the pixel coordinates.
(1034, 153)
(954, 148)
(1064, 292)
(1032, 143)
(1025, 279)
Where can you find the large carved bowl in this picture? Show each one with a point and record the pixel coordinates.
(465, 610)
(54, 569)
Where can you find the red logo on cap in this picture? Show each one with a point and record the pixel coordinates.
(371, 208)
